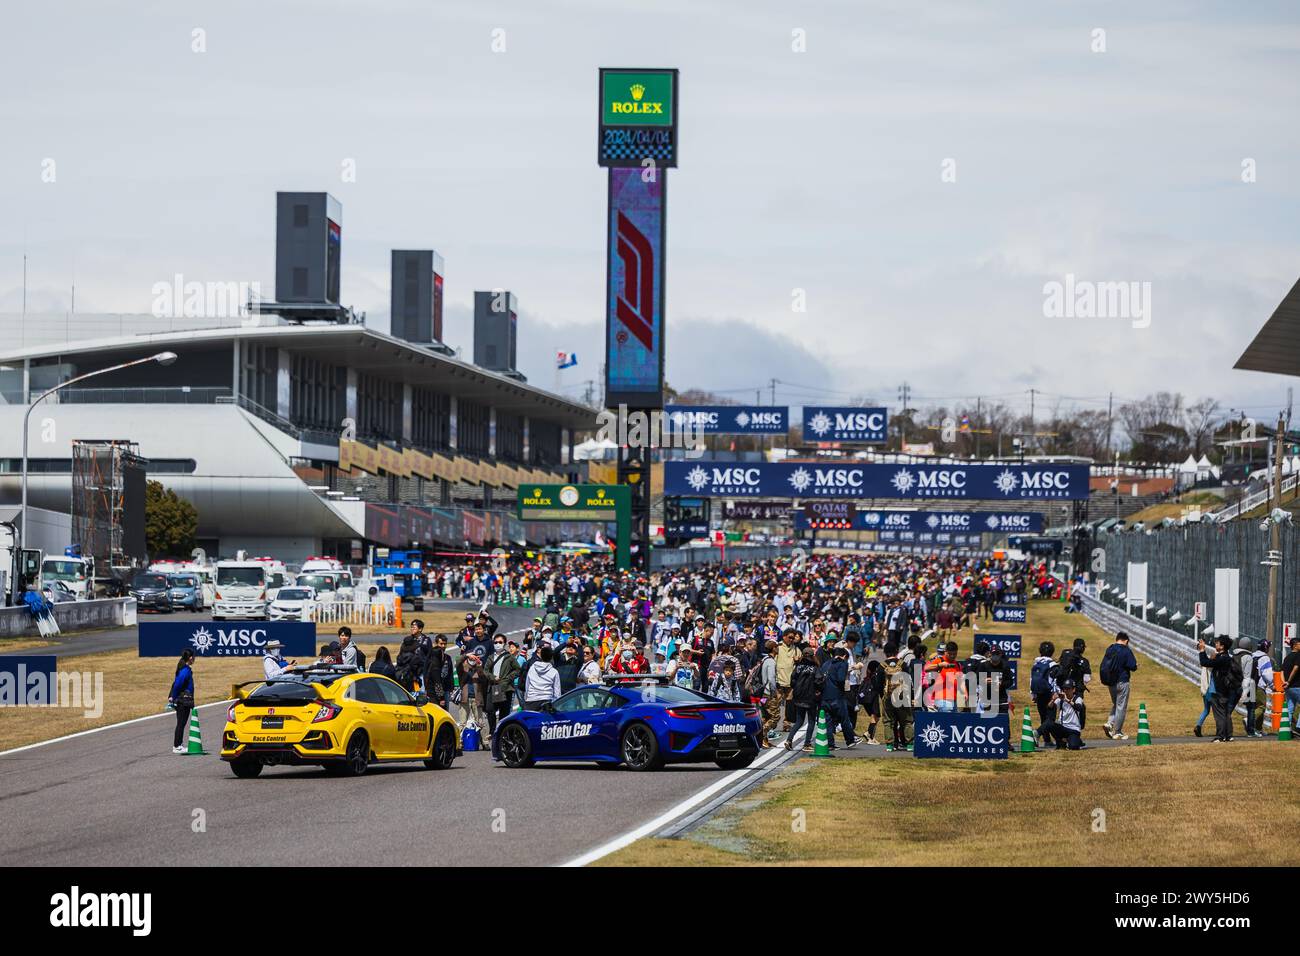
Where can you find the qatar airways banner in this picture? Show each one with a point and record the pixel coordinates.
(728, 419)
(981, 482)
(831, 423)
(983, 522)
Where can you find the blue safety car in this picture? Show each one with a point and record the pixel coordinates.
(643, 723)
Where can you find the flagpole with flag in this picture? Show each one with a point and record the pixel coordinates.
(563, 360)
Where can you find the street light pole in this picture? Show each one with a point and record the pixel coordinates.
(162, 358)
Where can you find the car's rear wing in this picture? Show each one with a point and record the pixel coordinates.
(240, 691)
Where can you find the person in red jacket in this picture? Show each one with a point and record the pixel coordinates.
(630, 660)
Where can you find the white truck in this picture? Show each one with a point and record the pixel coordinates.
(77, 574)
(240, 590)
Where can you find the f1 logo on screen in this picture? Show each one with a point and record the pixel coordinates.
(636, 301)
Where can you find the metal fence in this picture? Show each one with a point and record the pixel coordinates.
(1181, 563)
(665, 558)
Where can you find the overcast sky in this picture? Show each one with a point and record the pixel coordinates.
(819, 171)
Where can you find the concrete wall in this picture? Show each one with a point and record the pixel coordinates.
(72, 616)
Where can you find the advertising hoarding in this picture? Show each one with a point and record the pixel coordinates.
(987, 482)
(837, 423)
(634, 317)
(638, 117)
(728, 419)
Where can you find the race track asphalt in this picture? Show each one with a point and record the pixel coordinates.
(119, 797)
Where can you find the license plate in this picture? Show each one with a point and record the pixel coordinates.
(272, 723)
(728, 743)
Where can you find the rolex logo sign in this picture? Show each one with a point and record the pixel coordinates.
(634, 106)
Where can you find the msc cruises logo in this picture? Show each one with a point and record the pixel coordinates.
(203, 640)
(1006, 482)
(903, 481)
(697, 478)
(800, 480)
(934, 737)
(820, 423)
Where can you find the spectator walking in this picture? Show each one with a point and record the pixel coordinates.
(804, 679)
(1117, 667)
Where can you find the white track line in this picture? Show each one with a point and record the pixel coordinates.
(128, 723)
(659, 822)
(95, 730)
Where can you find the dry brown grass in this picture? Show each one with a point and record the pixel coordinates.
(1163, 806)
(9, 644)
(132, 687)
(1028, 809)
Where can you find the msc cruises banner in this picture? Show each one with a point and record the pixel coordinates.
(961, 736)
(988, 482)
(831, 423)
(984, 522)
(728, 419)
(226, 638)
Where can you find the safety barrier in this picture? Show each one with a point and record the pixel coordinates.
(664, 558)
(1174, 650)
(71, 616)
(1170, 648)
(375, 614)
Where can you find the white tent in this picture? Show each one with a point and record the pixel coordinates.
(593, 450)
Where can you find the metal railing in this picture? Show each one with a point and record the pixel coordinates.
(1252, 501)
(160, 395)
(664, 558)
(1181, 562)
(376, 614)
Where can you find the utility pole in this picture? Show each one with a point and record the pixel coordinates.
(979, 422)
(1030, 436)
(904, 395)
(1275, 544)
(1110, 411)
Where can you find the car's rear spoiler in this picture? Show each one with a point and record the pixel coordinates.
(240, 691)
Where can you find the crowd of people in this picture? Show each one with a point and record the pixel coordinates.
(866, 640)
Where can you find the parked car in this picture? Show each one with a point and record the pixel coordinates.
(186, 591)
(152, 592)
(56, 592)
(292, 603)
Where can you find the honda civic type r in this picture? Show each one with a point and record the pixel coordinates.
(643, 723)
(336, 717)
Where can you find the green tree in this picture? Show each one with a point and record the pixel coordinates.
(170, 522)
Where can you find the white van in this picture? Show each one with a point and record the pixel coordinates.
(240, 590)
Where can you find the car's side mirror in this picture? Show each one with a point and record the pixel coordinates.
(421, 698)
(548, 707)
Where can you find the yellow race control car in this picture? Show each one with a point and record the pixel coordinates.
(337, 717)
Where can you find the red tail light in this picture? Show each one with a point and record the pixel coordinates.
(685, 714)
(218, 595)
(327, 711)
(751, 711)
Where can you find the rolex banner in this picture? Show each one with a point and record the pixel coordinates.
(983, 482)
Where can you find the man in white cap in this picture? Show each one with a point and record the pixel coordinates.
(272, 664)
